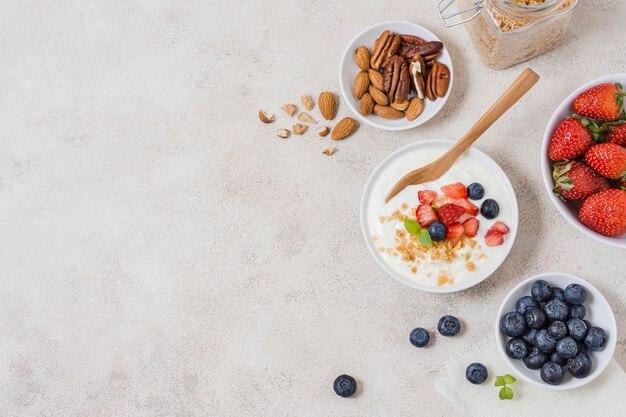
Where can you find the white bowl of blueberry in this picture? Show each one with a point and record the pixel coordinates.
(556, 330)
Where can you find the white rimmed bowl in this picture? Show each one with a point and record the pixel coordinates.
(348, 70)
(599, 313)
(569, 210)
(472, 166)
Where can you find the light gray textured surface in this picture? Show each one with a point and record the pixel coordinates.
(163, 254)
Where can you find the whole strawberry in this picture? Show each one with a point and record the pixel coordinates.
(603, 102)
(608, 159)
(569, 140)
(574, 180)
(605, 212)
(617, 134)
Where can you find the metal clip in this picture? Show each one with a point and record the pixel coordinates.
(449, 20)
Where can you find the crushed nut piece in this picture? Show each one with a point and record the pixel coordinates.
(307, 102)
(299, 129)
(470, 266)
(266, 117)
(323, 131)
(328, 151)
(283, 133)
(289, 108)
(305, 117)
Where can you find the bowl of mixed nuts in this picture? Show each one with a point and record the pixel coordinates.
(395, 75)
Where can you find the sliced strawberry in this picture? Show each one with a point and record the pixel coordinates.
(500, 227)
(455, 233)
(425, 215)
(455, 191)
(494, 238)
(450, 213)
(465, 217)
(469, 207)
(471, 227)
(426, 196)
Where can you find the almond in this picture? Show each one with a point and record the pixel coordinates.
(362, 57)
(289, 108)
(343, 129)
(376, 78)
(416, 106)
(367, 104)
(307, 102)
(327, 104)
(266, 117)
(305, 117)
(361, 82)
(323, 131)
(387, 112)
(299, 129)
(378, 96)
(402, 106)
(328, 151)
(283, 133)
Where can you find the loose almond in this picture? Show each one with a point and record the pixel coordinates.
(306, 118)
(328, 151)
(323, 131)
(362, 57)
(366, 105)
(343, 129)
(283, 133)
(376, 78)
(327, 104)
(361, 82)
(299, 129)
(378, 96)
(307, 102)
(402, 106)
(416, 106)
(289, 108)
(387, 112)
(266, 117)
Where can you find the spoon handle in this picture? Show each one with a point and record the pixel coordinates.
(524, 82)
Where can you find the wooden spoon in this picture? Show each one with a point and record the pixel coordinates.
(524, 82)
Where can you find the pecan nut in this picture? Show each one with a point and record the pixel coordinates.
(384, 48)
(397, 81)
(442, 80)
(417, 69)
(412, 39)
(409, 50)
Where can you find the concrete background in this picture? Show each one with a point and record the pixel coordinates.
(162, 253)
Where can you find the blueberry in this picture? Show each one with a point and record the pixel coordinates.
(489, 209)
(449, 326)
(552, 373)
(536, 318)
(524, 304)
(567, 348)
(535, 358)
(419, 337)
(556, 309)
(530, 337)
(575, 294)
(517, 348)
(344, 386)
(558, 359)
(544, 341)
(541, 291)
(580, 366)
(589, 326)
(475, 191)
(577, 329)
(558, 329)
(476, 373)
(595, 339)
(558, 293)
(577, 312)
(513, 324)
(437, 231)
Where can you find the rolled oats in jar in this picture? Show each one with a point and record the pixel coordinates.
(506, 32)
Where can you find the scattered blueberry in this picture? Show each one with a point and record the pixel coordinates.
(517, 348)
(536, 318)
(530, 337)
(577, 329)
(437, 231)
(580, 366)
(490, 209)
(344, 386)
(449, 326)
(513, 324)
(552, 373)
(558, 329)
(544, 341)
(524, 304)
(558, 293)
(475, 191)
(575, 294)
(476, 373)
(419, 337)
(567, 348)
(558, 359)
(595, 339)
(541, 291)
(556, 309)
(577, 312)
(535, 358)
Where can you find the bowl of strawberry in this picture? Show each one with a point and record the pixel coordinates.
(584, 159)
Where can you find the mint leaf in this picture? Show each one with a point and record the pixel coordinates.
(423, 237)
(508, 393)
(509, 379)
(502, 393)
(500, 381)
(412, 226)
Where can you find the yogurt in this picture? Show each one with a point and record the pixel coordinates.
(380, 221)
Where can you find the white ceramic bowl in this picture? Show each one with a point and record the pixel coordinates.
(348, 70)
(569, 210)
(472, 166)
(599, 313)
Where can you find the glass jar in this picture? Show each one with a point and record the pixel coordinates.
(506, 32)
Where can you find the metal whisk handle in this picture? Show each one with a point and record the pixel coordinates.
(458, 17)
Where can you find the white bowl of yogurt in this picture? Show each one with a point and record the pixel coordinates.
(438, 275)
